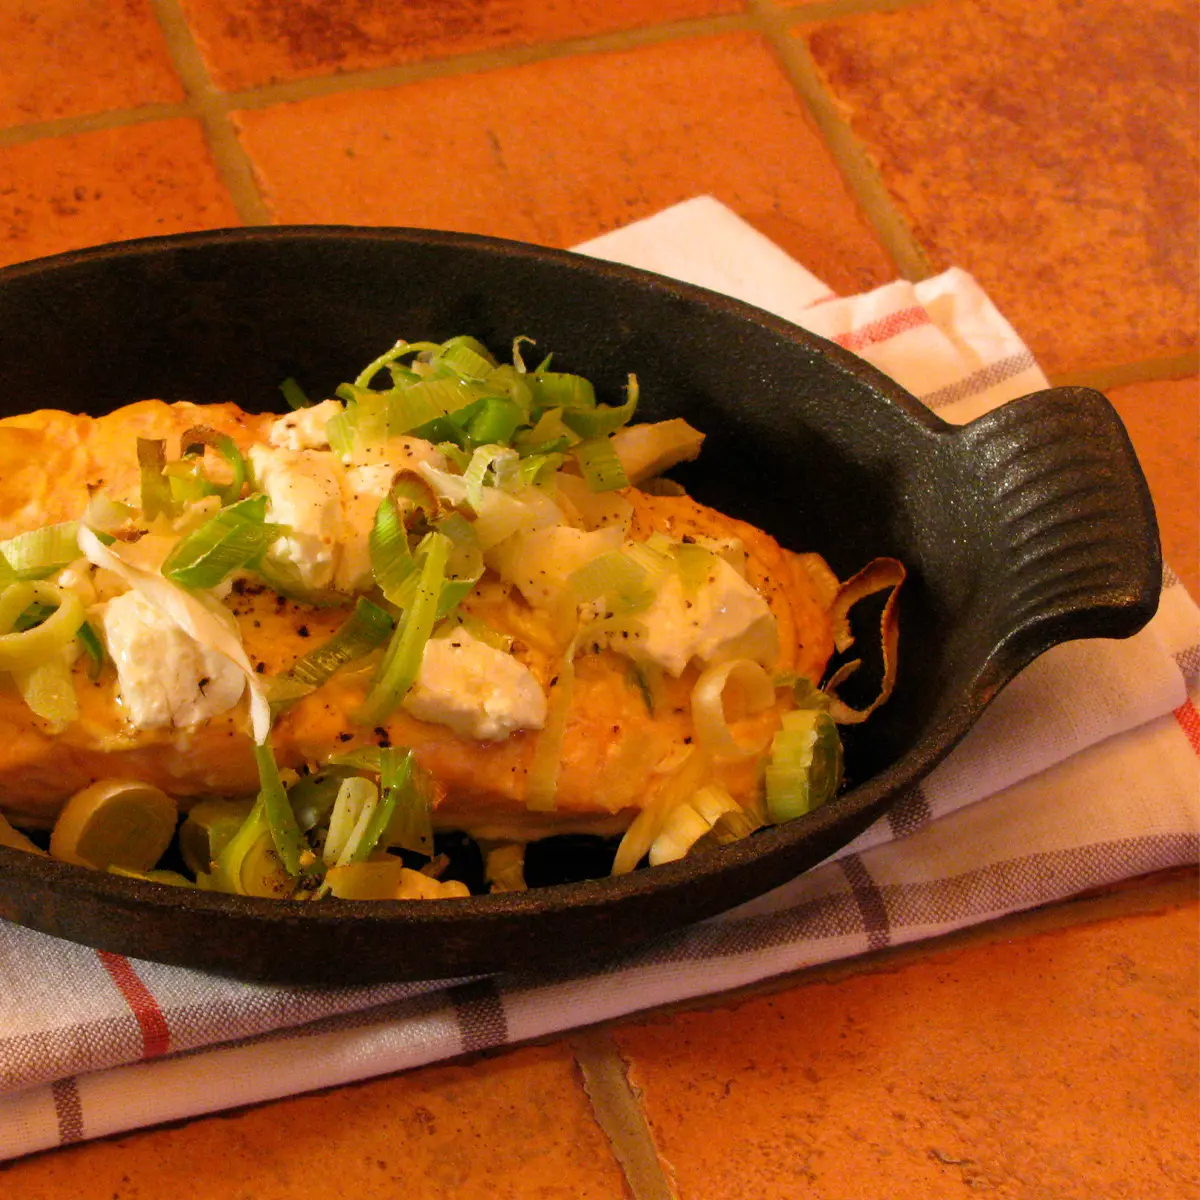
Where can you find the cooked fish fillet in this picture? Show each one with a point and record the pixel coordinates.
(616, 752)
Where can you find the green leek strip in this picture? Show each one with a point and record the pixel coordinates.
(555, 389)
(549, 434)
(476, 472)
(339, 430)
(408, 408)
(93, 647)
(367, 626)
(599, 465)
(236, 536)
(391, 559)
(805, 765)
(510, 382)
(361, 758)
(538, 469)
(40, 552)
(156, 491)
(604, 419)
(466, 357)
(696, 565)
(409, 820)
(32, 647)
(541, 786)
(294, 394)
(201, 436)
(400, 350)
(496, 421)
(248, 865)
(616, 577)
(188, 483)
(381, 814)
(285, 831)
(402, 660)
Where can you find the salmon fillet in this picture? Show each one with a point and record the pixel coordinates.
(618, 749)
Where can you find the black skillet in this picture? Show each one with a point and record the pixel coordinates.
(1028, 527)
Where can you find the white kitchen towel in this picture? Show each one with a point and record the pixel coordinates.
(1085, 771)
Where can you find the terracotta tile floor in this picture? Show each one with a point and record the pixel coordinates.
(1050, 148)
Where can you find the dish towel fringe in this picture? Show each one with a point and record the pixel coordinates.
(1084, 772)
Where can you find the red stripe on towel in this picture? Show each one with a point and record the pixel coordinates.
(887, 327)
(156, 1037)
(1189, 722)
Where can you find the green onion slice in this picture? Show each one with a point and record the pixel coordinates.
(235, 537)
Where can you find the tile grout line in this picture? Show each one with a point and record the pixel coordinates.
(618, 1112)
(861, 175)
(482, 61)
(1147, 370)
(115, 118)
(232, 162)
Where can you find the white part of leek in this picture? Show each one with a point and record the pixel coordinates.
(708, 706)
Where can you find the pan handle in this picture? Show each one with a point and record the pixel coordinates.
(1074, 545)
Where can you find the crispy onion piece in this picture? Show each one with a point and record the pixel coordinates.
(877, 576)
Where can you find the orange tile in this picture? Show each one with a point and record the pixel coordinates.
(507, 1128)
(1163, 420)
(1063, 1065)
(251, 42)
(65, 193)
(559, 151)
(1050, 149)
(61, 58)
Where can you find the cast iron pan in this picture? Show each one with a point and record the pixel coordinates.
(1030, 526)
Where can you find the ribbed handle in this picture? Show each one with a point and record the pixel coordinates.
(1069, 516)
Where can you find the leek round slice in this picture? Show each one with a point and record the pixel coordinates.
(115, 823)
(805, 767)
(708, 706)
(22, 651)
(208, 829)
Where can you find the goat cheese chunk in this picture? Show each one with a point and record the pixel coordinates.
(475, 690)
(722, 619)
(304, 493)
(304, 429)
(165, 677)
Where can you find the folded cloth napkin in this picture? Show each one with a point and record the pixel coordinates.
(1085, 771)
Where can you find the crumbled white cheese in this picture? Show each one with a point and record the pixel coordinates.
(165, 677)
(722, 619)
(304, 429)
(304, 493)
(475, 690)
